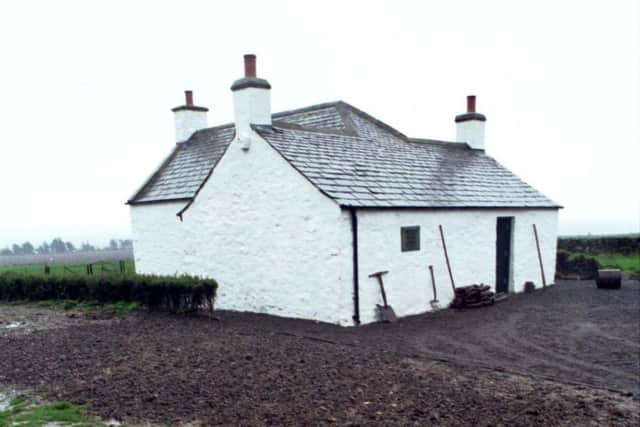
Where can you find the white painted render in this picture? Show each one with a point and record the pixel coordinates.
(189, 121)
(273, 241)
(471, 243)
(251, 106)
(157, 237)
(471, 132)
(277, 245)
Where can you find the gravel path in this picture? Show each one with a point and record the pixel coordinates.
(261, 370)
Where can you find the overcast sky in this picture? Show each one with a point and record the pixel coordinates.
(86, 90)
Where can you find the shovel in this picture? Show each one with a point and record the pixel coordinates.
(435, 304)
(386, 312)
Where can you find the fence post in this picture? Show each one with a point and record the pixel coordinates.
(121, 266)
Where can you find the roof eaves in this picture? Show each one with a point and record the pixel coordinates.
(151, 178)
(450, 207)
(158, 201)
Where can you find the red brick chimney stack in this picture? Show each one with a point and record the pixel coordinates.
(188, 96)
(249, 66)
(471, 104)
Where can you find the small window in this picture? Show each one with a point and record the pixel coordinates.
(410, 237)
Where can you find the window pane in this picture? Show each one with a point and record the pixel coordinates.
(410, 238)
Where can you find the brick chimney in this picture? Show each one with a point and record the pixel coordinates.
(470, 125)
(251, 100)
(189, 118)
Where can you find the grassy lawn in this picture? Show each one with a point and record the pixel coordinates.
(623, 262)
(21, 412)
(69, 269)
(630, 263)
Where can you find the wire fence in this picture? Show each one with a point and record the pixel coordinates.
(67, 258)
(100, 267)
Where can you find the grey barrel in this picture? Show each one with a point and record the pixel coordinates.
(609, 279)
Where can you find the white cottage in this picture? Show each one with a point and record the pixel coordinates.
(292, 211)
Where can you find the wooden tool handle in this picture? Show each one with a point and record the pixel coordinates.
(378, 273)
(433, 283)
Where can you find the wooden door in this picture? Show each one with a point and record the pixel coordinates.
(503, 253)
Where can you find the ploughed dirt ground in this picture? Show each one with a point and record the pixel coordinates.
(568, 355)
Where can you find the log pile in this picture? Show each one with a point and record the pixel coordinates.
(473, 296)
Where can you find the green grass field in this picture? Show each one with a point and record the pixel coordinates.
(630, 263)
(102, 267)
(623, 262)
(26, 413)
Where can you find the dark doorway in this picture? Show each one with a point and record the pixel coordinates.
(503, 253)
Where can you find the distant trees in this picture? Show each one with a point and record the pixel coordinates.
(43, 248)
(27, 248)
(120, 244)
(59, 246)
(16, 249)
(87, 247)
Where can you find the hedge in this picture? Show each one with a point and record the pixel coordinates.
(569, 264)
(596, 245)
(172, 293)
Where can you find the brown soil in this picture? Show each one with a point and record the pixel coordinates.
(22, 320)
(262, 370)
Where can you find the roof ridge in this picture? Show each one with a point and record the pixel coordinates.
(369, 117)
(322, 131)
(306, 109)
(295, 126)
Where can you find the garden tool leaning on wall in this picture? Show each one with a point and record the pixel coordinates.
(435, 304)
(385, 311)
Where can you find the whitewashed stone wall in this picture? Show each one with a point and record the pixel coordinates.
(189, 121)
(273, 242)
(471, 243)
(471, 132)
(277, 245)
(251, 105)
(157, 237)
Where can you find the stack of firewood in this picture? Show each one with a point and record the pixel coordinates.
(475, 296)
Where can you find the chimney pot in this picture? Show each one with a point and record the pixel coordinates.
(188, 96)
(250, 66)
(471, 104)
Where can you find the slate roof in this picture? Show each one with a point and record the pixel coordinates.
(186, 168)
(356, 160)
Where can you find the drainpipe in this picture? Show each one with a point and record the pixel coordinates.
(356, 290)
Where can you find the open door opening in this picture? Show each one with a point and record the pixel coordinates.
(504, 232)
